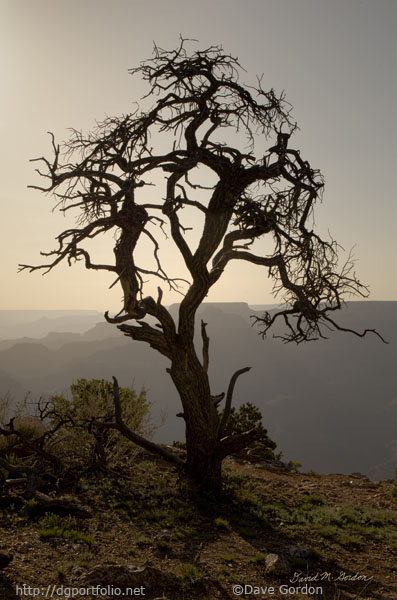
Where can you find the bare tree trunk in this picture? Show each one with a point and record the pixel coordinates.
(206, 447)
(204, 461)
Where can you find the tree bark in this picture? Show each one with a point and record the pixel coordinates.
(203, 464)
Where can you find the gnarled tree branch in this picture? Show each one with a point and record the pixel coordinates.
(252, 197)
(229, 397)
(120, 426)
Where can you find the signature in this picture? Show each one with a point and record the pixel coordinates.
(300, 577)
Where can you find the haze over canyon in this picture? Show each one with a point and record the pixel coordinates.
(330, 404)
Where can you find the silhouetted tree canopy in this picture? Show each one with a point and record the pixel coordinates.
(200, 115)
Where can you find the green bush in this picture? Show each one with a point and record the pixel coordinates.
(67, 429)
(245, 418)
(80, 439)
(294, 466)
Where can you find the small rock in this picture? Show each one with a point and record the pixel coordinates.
(276, 564)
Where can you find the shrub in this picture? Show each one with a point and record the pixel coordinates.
(65, 435)
(179, 445)
(294, 466)
(80, 439)
(245, 418)
(313, 473)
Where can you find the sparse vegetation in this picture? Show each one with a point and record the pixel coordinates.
(54, 526)
(259, 558)
(312, 500)
(148, 516)
(225, 572)
(344, 524)
(228, 558)
(222, 523)
(143, 541)
(162, 517)
(33, 509)
(164, 546)
(191, 575)
(313, 473)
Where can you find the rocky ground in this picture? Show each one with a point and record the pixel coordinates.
(273, 534)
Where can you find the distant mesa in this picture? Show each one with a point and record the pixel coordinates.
(328, 404)
(39, 323)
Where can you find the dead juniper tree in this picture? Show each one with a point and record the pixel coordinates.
(202, 111)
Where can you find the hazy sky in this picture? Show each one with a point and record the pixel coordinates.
(64, 64)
